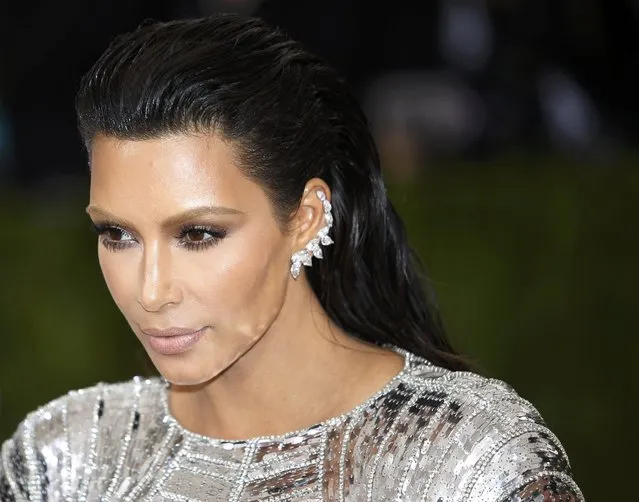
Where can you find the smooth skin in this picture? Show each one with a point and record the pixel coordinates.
(187, 240)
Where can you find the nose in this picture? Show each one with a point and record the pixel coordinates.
(158, 287)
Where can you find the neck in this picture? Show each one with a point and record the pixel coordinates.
(304, 370)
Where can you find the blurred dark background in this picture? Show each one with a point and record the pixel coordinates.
(508, 132)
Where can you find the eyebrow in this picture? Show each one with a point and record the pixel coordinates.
(171, 221)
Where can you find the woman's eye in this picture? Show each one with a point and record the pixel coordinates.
(113, 238)
(198, 239)
(115, 234)
(197, 235)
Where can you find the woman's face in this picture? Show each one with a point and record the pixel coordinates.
(187, 241)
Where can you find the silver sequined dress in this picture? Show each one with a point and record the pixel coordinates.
(429, 435)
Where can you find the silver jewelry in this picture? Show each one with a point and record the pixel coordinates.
(305, 256)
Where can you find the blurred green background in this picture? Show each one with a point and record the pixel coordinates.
(534, 262)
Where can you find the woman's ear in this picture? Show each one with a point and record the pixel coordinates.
(312, 224)
(310, 216)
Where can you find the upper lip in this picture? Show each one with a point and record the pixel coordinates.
(170, 331)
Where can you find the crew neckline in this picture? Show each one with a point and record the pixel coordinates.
(329, 422)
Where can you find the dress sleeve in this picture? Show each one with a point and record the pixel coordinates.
(32, 461)
(13, 473)
(531, 466)
(542, 487)
(6, 492)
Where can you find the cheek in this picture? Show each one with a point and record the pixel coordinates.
(246, 285)
(119, 275)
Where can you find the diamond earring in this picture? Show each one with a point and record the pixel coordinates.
(304, 257)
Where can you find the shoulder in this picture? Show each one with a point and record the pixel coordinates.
(81, 409)
(53, 445)
(489, 443)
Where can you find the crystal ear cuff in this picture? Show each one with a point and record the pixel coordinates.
(305, 256)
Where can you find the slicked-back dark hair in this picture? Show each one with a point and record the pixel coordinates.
(292, 119)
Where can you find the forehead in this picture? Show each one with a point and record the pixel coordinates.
(168, 173)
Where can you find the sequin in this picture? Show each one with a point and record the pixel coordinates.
(429, 435)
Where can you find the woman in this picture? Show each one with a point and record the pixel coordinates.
(246, 236)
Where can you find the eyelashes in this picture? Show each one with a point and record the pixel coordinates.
(109, 233)
(191, 237)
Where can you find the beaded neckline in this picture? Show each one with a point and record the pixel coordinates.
(330, 422)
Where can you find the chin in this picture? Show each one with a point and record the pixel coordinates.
(195, 367)
(186, 380)
(183, 370)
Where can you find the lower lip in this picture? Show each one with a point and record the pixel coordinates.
(171, 345)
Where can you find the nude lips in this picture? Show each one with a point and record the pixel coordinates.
(171, 345)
